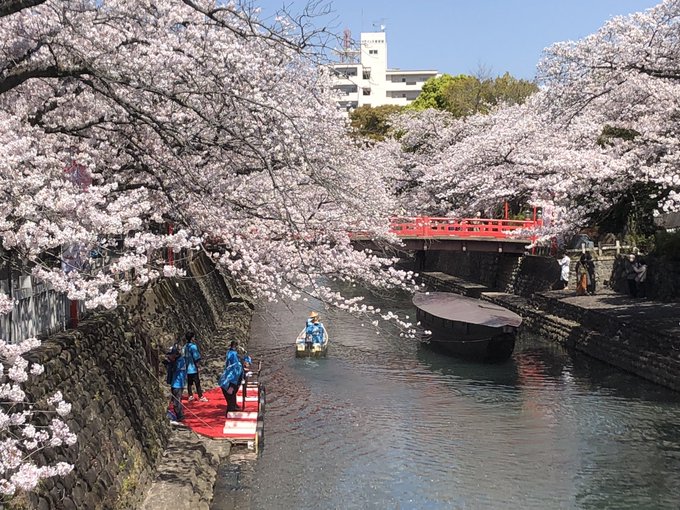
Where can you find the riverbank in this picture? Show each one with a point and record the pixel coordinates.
(187, 471)
(639, 336)
(109, 370)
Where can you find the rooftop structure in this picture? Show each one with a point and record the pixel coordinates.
(363, 78)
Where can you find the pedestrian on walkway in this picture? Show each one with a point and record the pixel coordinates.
(170, 362)
(231, 377)
(564, 262)
(640, 269)
(631, 274)
(585, 275)
(178, 382)
(193, 356)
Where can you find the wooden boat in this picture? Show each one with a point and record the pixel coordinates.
(468, 327)
(304, 349)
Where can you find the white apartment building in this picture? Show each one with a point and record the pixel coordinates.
(363, 78)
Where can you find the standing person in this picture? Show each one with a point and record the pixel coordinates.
(564, 262)
(193, 356)
(231, 377)
(170, 361)
(581, 276)
(640, 268)
(178, 381)
(631, 274)
(590, 269)
(585, 274)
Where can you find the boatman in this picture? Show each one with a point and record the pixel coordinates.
(315, 329)
(231, 377)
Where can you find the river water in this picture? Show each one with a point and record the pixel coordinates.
(385, 422)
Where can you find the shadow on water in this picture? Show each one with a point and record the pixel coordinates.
(437, 360)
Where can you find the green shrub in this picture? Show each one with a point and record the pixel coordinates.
(667, 244)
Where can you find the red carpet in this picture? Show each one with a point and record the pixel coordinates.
(208, 418)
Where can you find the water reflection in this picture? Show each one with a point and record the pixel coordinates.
(385, 422)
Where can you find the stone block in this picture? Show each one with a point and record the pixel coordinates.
(44, 504)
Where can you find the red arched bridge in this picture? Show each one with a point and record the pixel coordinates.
(462, 234)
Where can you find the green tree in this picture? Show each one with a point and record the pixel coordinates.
(465, 95)
(433, 93)
(372, 122)
(508, 89)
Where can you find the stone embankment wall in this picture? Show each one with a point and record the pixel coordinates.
(636, 346)
(109, 370)
(527, 274)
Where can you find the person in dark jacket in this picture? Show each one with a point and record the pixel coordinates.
(640, 268)
(631, 274)
(585, 267)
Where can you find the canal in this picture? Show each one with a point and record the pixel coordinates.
(387, 423)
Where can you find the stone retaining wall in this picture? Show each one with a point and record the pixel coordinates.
(109, 370)
(527, 274)
(477, 267)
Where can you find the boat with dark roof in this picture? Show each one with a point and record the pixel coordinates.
(468, 327)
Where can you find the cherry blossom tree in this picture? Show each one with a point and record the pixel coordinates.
(186, 113)
(556, 150)
(20, 436)
(130, 127)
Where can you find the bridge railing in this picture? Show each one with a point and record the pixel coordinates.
(427, 226)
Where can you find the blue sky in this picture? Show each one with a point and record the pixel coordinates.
(459, 36)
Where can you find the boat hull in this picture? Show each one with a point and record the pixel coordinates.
(307, 350)
(470, 341)
(492, 350)
(304, 349)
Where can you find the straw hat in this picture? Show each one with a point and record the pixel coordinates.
(314, 315)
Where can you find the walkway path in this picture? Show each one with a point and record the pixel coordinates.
(187, 472)
(652, 315)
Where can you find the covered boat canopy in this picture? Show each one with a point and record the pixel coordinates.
(454, 307)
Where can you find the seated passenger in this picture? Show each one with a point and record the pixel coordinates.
(315, 329)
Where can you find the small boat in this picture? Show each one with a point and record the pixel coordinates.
(468, 327)
(304, 349)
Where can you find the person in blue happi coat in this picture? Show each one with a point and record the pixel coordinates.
(193, 356)
(231, 377)
(179, 376)
(315, 331)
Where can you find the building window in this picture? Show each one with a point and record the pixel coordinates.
(403, 79)
(346, 71)
(372, 52)
(367, 74)
(366, 92)
(410, 83)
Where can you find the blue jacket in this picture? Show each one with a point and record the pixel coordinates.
(316, 332)
(232, 370)
(192, 355)
(180, 374)
(308, 330)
